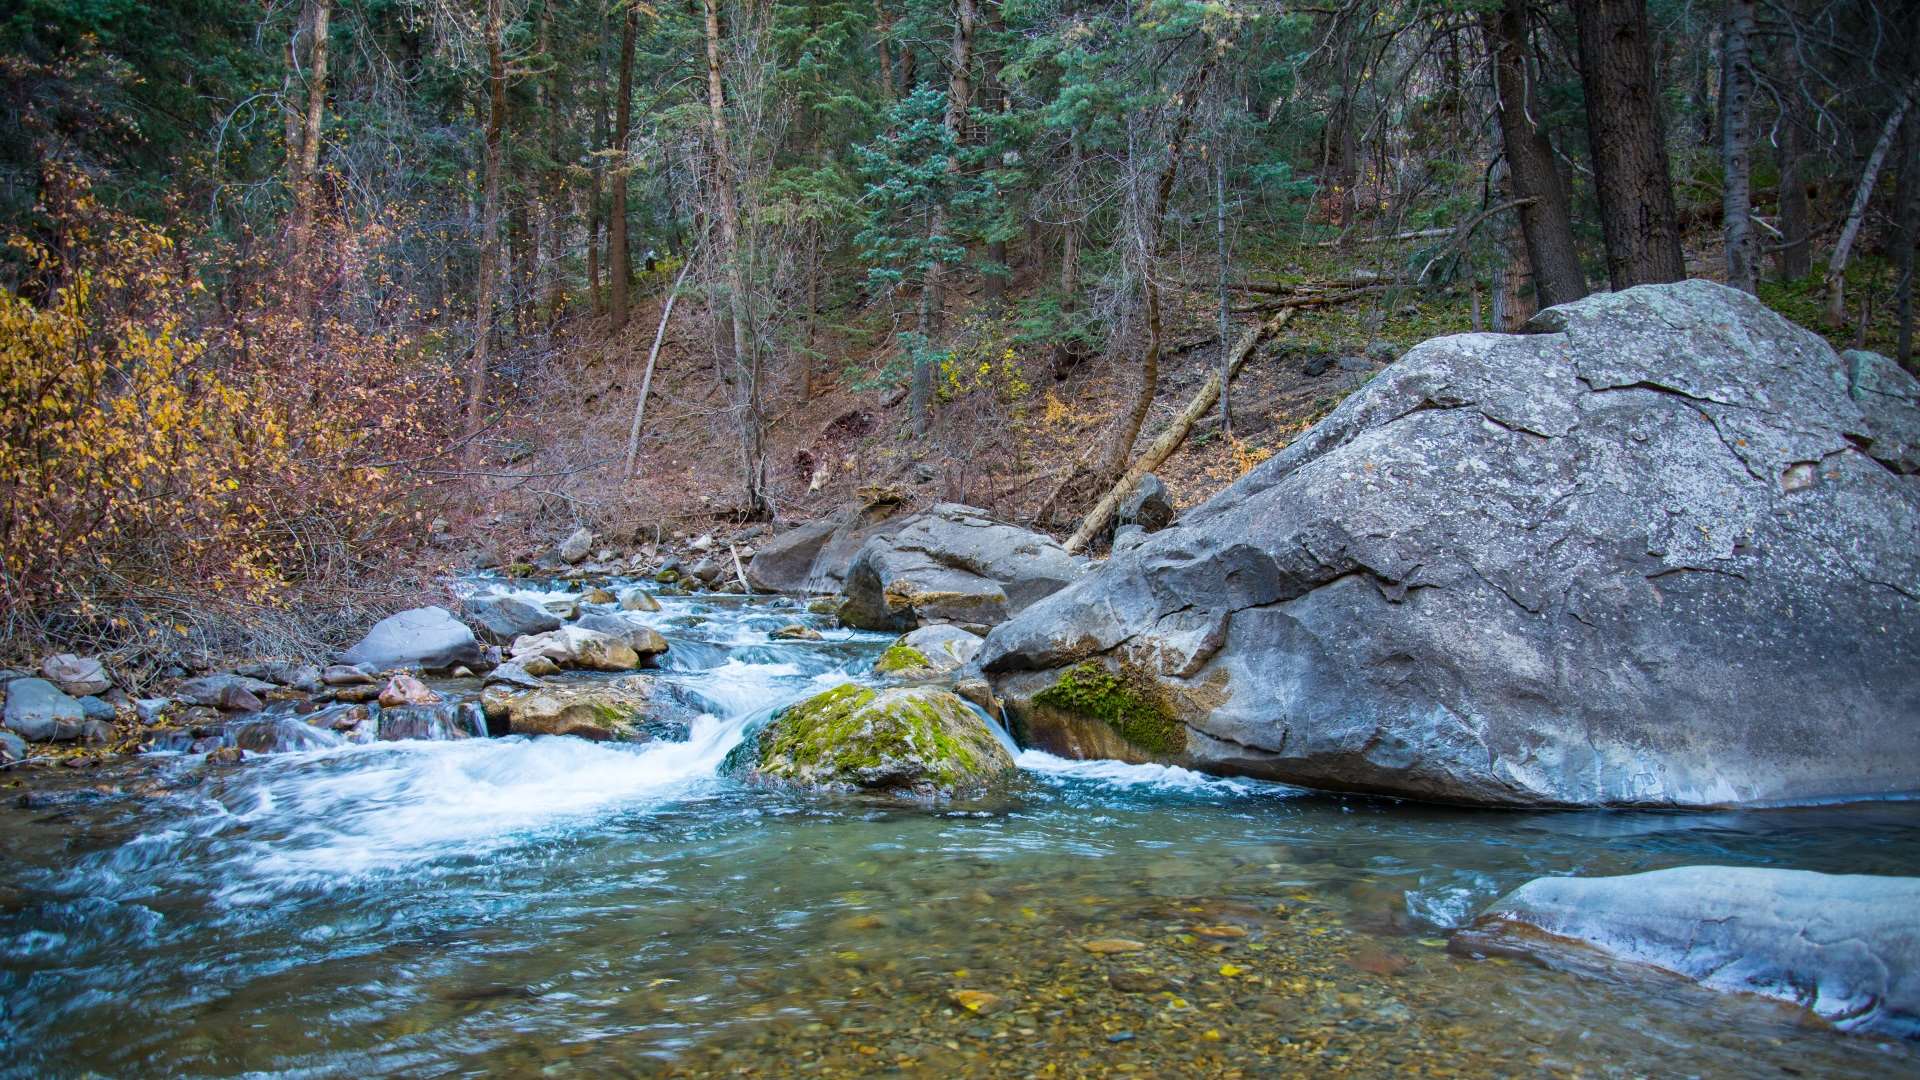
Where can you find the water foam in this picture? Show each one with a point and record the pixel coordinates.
(1120, 774)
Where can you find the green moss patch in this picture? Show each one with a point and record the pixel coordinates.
(901, 658)
(1127, 703)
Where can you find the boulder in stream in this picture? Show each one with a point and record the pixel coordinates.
(953, 564)
(427, 637)
(916, 740)
(929, 652)
(578, 647)
(500, 619)
(599, 713)
(1844, 946)
(1651, 553)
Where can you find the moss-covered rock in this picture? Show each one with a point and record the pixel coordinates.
(903, 659)
(1126, 702)
(905, 739)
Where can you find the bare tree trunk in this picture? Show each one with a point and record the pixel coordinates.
(1149, 379)
(1629, 148)
(489, 221)
(1907, 198)
(619, 258)
(303, 154)
(745, 362)
(1736, 145)
(1546, 222)
(653, 357)
(882, 30)
(1220, 253)
(932, 290)
(1796, 219)
(1862, 196)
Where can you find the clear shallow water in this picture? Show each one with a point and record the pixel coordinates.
(556, 907)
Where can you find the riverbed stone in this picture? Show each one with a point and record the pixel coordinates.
(634, 634)
(599, 713)
(282, 735)
(97, 709)
(294, 674)
(12, 747)
(40, 711)
(500, 619)
(929, 652)
(916, 740)
(637, 599)
(813, 557)
(576, 547)
(953, 564)
(1844, 946)
(345, 675)
(404, 690)
(427, 637)
(1636, 556)
(224, 691)
(76, 676)
(578, 647)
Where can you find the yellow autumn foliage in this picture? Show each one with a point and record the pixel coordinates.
(152, 442)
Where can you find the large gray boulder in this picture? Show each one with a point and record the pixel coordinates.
(953, 564)
(1845, 946)
(814, 557)
(1644, 555)
(500, 619)
(40, 711)
(428, 637)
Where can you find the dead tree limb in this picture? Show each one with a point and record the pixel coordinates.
(653, 354)
(1176, 433)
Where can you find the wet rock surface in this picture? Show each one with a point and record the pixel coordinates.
(1843, 946)
(952, 564)
(1637, 557)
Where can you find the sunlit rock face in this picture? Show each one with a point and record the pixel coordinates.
(1655, 552)
(1843, 946)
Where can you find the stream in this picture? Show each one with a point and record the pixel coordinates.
(557, 907)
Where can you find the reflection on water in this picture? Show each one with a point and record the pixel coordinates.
(557, 907)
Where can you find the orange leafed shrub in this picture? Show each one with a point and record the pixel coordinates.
(155, 445)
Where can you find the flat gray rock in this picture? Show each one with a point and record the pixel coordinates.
(428, 637)
(1642, 556)
(1844, 946)
(500, 619)
(40, 711)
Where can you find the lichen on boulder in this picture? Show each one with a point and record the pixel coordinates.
(917, 740)
(600, 713)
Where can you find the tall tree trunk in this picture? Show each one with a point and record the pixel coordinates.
(489, 221)
(1796, 219)
(932, 296)
(994, 278)
(1220, 254)
(1736, 145)
(1907, 198)
(1629, 148)
(745, 360)
(1862, 196)
(596, 170)
(1149, 379)
(303, 153)
(554, 185)
(619, 258)
(882, 30)
(1546, 221)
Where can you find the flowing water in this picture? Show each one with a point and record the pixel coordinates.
(554, 907)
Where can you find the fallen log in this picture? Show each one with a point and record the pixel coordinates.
(1169, 440)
